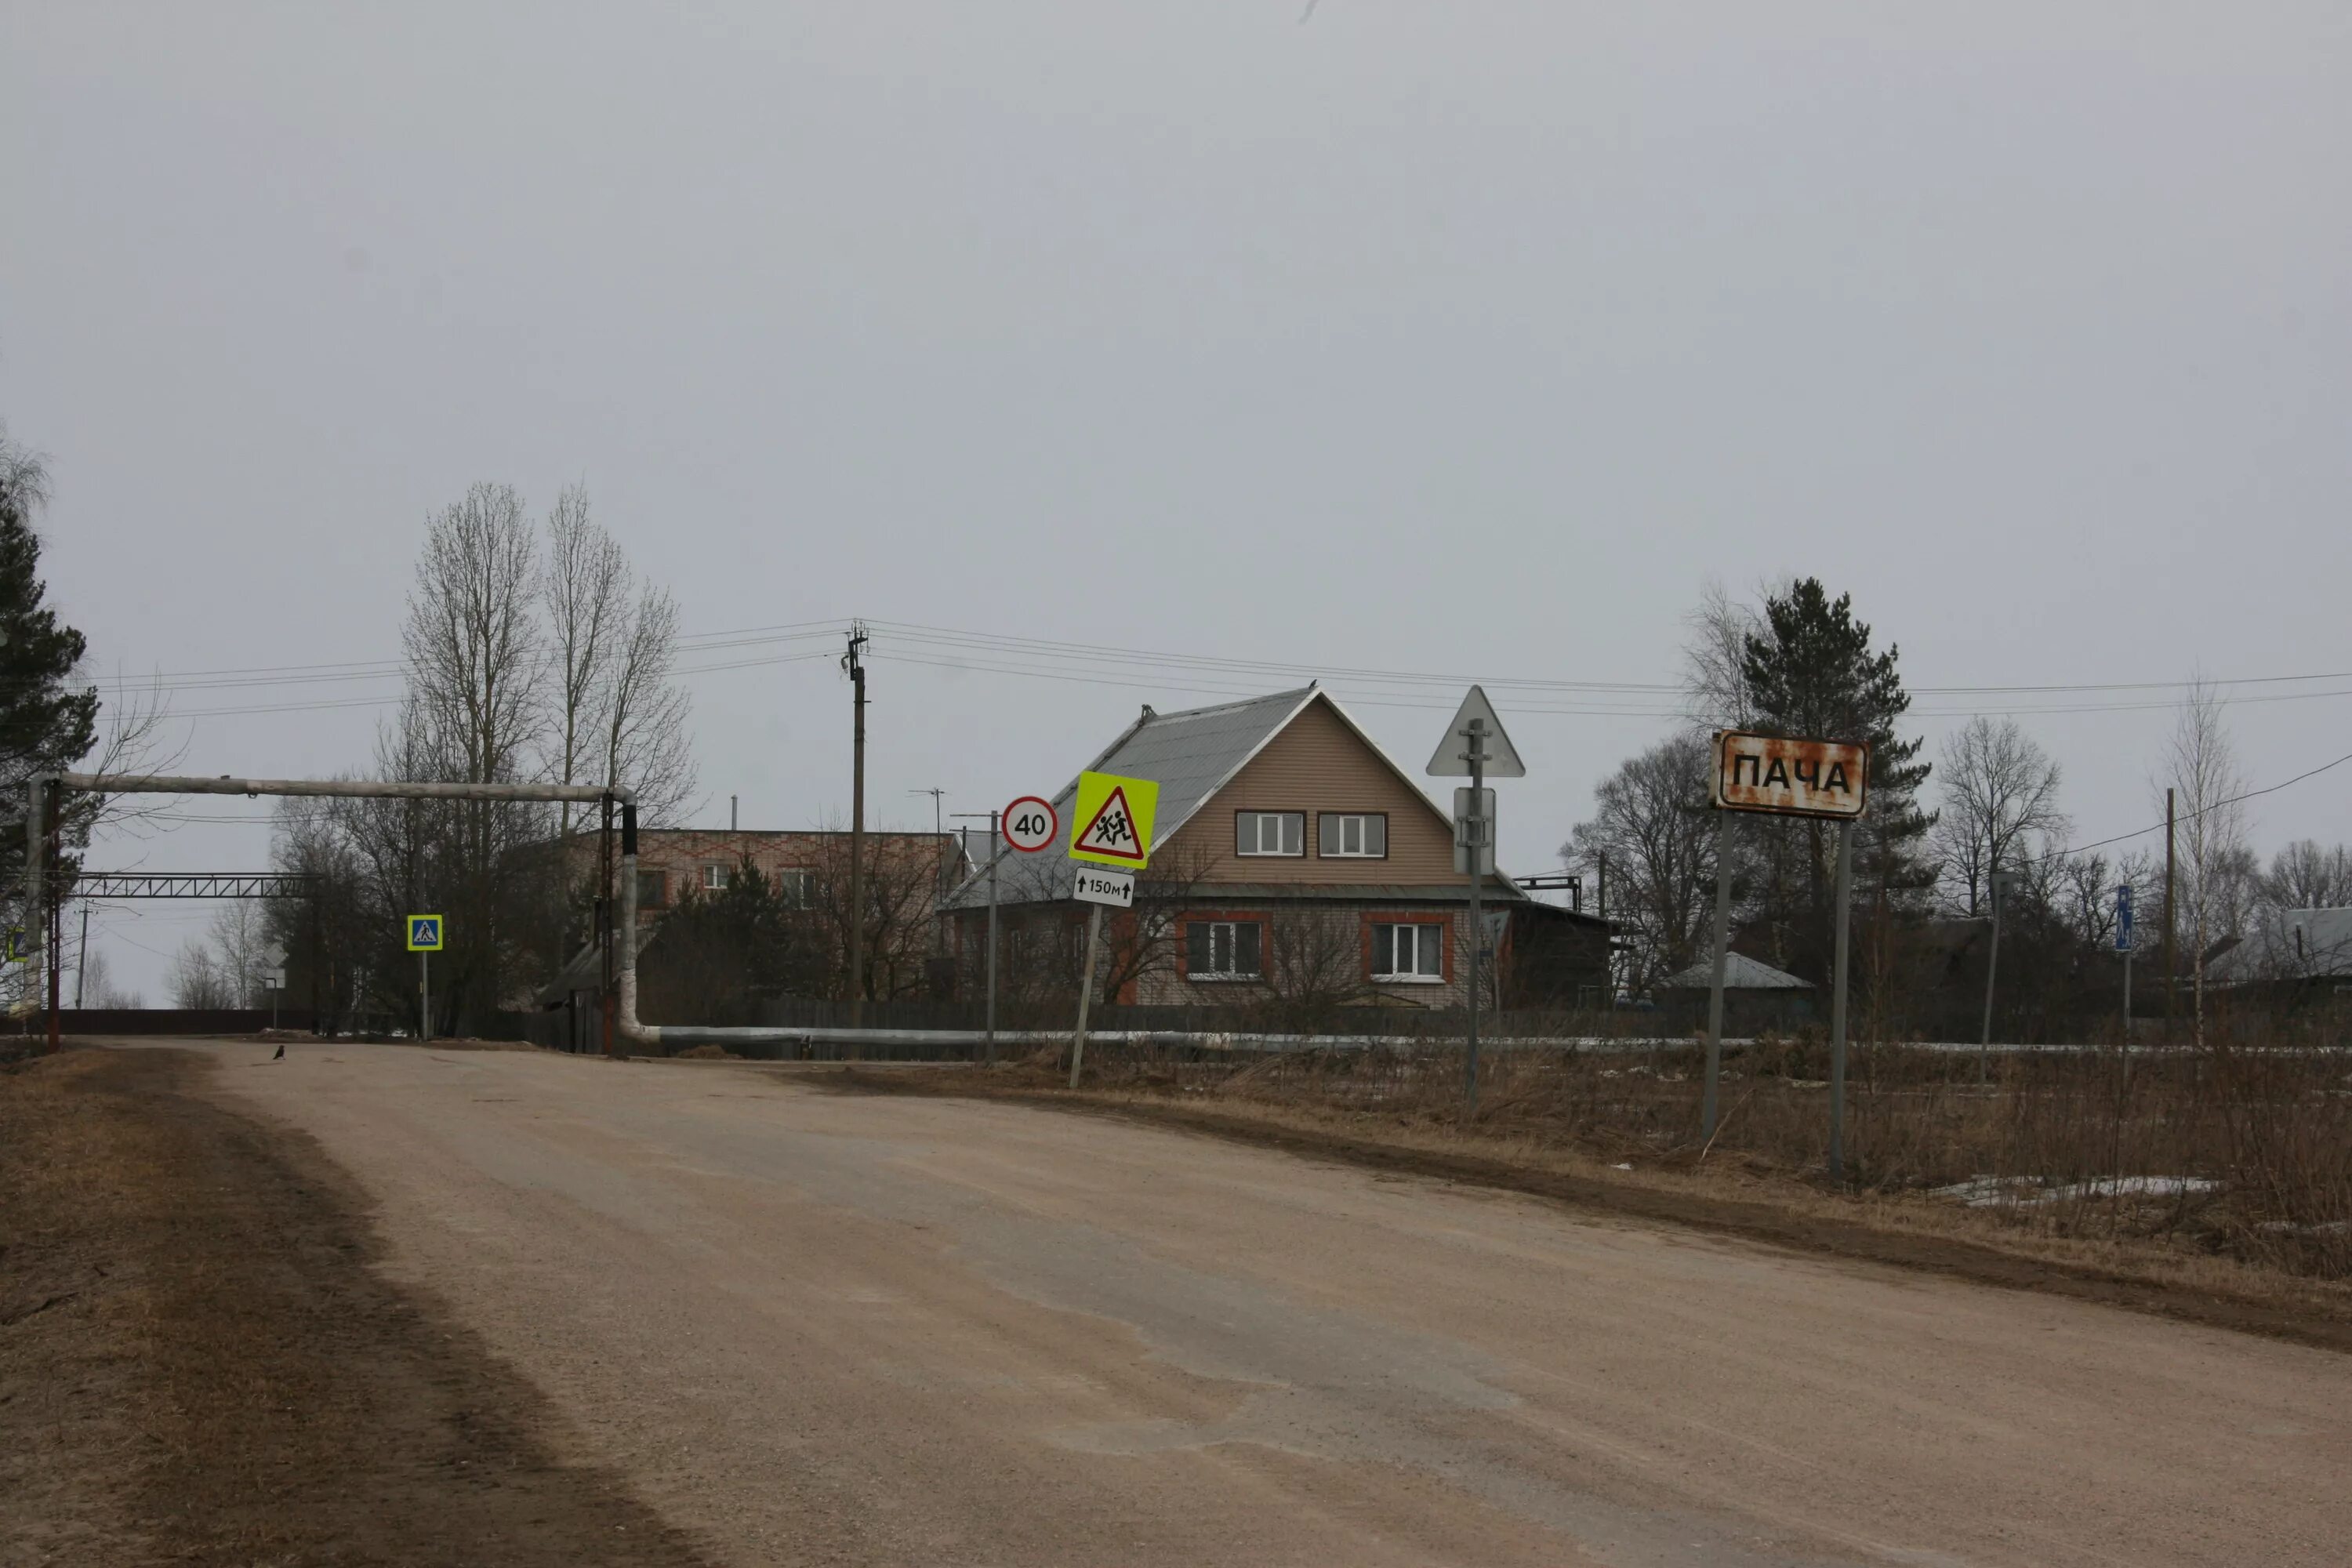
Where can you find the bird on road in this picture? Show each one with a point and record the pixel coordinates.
(281, 1052)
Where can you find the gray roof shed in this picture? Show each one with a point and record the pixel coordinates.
(1740, 973)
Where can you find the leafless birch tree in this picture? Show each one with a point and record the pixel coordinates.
(2201, 767)
(1715, 683)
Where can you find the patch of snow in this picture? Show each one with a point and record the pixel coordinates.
(1983, 1192)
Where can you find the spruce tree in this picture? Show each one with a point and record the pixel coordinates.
(48, 720)
(1810, 671)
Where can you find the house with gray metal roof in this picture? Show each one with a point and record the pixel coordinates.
(1295, 859)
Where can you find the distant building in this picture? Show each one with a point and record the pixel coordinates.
(1755, 994)
(2286, 946)
(1293, 860)
(800, 863)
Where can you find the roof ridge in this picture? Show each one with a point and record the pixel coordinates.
(1293, 694)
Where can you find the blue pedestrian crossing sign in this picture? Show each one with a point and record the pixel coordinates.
(424, 933)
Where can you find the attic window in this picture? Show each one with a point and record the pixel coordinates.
(1269, 833)
(1352, 835)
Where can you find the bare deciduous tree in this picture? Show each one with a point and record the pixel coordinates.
(584, 591)
(645, 745)
(2201, 766)
(2000, 789)
(476, 660)
(1314, 965)
(1653, 827)
(616, 714)
(2307, 875)
(196, 980)
(243, 951)
(473, 646)
(2082, 891)
(94, 986)
(1715, 682)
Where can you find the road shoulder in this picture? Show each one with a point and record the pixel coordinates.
(1812, 1228)
(199, 1364)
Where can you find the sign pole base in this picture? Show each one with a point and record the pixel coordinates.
(1085, 993)
(1722, 963)
(1837, 1002)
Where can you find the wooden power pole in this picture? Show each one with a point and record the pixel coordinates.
(2169, 987)
(853, 662)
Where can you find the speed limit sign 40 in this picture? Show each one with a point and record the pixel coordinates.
(1031, 824)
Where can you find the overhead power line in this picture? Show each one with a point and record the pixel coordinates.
(2190, 816)
(1213, 675)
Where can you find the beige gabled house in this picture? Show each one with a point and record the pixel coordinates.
(1294, 860)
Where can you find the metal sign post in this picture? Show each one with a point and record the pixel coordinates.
(1998, 886)
(1110, 825)
(1785, 776)
(1474, 734)
(1715, 986)
(1477, 744)
(424, 934)
(1028, 825)
(2124, 946)
(1837, 1004)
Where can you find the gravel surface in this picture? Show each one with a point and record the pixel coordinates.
(813, 1327)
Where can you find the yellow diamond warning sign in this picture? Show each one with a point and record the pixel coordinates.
(1112, 820)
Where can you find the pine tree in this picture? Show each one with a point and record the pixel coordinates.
(1810, 670)
(48, 722)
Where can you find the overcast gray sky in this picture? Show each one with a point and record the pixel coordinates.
(1464, 340)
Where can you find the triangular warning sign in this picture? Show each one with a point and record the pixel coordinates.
(1111, 832)
(1500, 759)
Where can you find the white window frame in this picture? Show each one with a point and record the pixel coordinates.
(794, 884)
(1257, 821)
(1430, 944)
(1231, 930)
(1359, 820)
(715, 875)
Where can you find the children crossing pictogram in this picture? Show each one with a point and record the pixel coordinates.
(1112, 832)
(1114, 817)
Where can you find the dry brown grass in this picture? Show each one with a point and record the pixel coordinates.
(2244, 1157)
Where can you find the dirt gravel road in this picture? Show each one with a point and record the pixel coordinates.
(813, 1327)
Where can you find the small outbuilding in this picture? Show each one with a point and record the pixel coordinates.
(1755, 994)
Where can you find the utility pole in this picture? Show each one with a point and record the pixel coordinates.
(995, 852)
(1992, 963)
(939, 871)
(854, 662)
(53, 916)
(82, 956)
(2169, 988)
